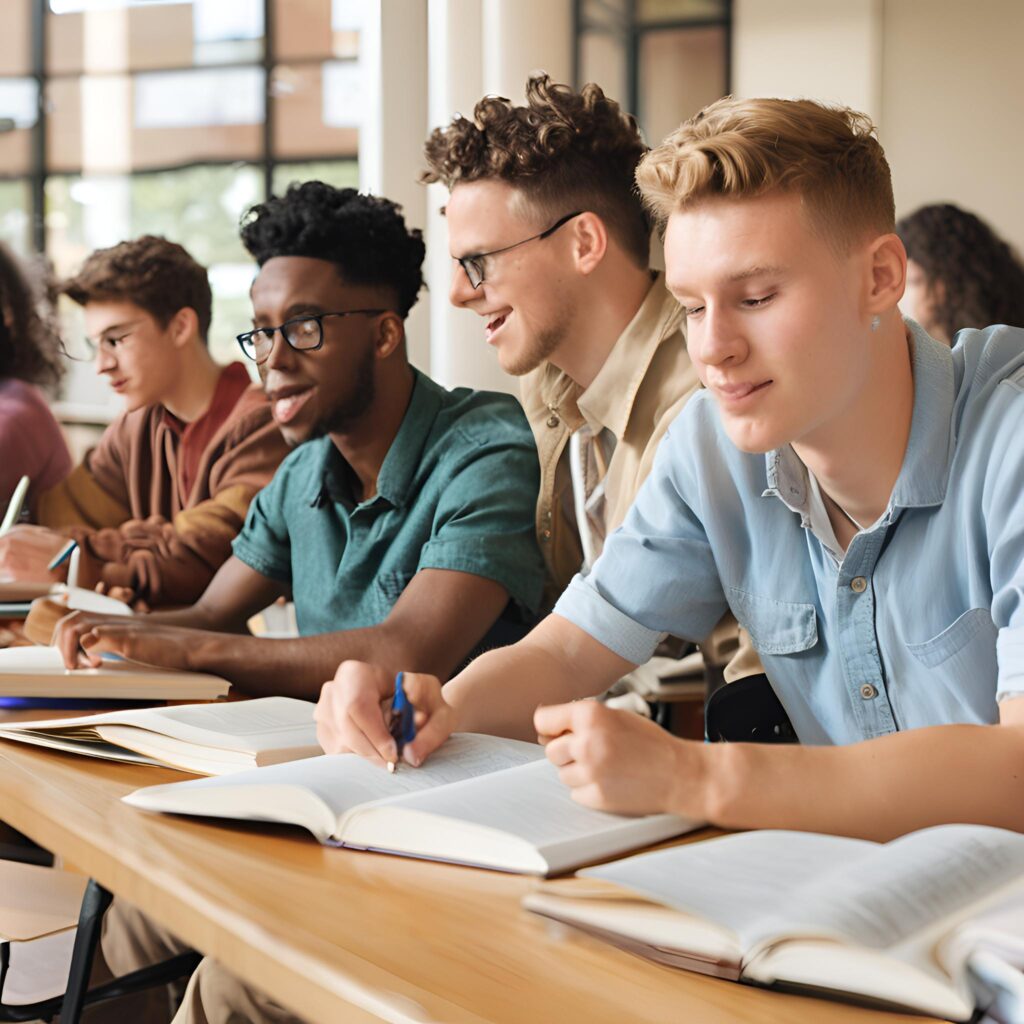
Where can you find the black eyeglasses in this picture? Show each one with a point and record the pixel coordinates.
(473, 266)
(303, 333)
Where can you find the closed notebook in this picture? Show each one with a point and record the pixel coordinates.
(479, 800)
(40, 672)
(825, 915)
(205, 739)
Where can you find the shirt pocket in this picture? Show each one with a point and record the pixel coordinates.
(973, 631)
(776, 627)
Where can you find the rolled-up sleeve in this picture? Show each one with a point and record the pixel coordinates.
(656, 575)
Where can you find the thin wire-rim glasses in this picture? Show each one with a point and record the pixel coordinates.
(473, 267)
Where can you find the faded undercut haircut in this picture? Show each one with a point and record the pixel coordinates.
(735, 149)
(564, 151)
(364, 236)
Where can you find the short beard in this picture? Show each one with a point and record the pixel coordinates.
(360, 397)
(544, 344)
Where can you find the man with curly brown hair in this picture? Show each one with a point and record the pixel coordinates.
(550, 244)
(155, 505)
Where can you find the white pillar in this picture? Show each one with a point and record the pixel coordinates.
(393, 56)
(458, 353)
(522, 36)
(478, 47)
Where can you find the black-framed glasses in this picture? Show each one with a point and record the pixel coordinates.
(304, 333)
(473, 266)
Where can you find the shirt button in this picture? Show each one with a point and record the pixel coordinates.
(545, 535)
(552, 420)
(867, 691)
(858, 584)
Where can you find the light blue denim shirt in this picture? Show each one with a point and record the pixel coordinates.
(922, 623)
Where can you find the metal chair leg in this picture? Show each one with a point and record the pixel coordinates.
(90, 920)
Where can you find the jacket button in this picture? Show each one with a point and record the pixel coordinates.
(867, 691)
(553, 420)
(858, 584)
(545, 535)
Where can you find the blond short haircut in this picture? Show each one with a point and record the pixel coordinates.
(739, 149)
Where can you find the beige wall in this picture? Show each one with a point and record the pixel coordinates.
(943, 79)
(953, 107)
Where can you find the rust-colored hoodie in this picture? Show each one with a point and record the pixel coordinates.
(155, 505)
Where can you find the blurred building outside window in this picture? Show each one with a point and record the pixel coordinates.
(125, 117)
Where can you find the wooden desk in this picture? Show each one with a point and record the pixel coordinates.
(345, 936)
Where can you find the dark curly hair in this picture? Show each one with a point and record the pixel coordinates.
(364, 236)
(982, 278)
(158, 276)
(30, 343)
(564, 151)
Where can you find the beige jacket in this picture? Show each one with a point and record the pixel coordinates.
(641, 388)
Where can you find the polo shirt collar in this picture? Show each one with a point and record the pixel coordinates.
(398, 472)
(924, 475)
(608, 402)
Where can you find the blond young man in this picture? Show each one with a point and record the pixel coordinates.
(848, 486)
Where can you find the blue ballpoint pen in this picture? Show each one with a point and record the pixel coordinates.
(403, 721)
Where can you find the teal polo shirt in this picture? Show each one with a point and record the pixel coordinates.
(457, 490)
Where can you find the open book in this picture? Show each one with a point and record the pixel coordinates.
(479, 800)
(40, 672)
(207, 739)
(845, 918)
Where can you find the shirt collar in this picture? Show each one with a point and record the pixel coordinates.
(398, 472)
(608, 402)
(924, 475)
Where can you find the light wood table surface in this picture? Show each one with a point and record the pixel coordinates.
(342, 936)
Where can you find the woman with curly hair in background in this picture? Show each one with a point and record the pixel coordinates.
(960, 273)
(31, 442)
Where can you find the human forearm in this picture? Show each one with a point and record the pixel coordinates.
(876, 789)
(499, 692)
(294, 667)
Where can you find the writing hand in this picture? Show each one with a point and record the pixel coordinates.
(352, 713)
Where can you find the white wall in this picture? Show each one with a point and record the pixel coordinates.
(943, 79)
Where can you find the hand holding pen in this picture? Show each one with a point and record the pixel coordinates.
(359, 706)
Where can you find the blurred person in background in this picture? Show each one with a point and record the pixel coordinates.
(31, 442)
(960, 273)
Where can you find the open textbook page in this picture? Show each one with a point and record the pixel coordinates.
(40, 672)
(803, 911)
(207, 739)
(479, 800)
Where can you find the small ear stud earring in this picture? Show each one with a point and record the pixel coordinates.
(876, 322)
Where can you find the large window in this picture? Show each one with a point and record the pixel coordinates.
(125, 117)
